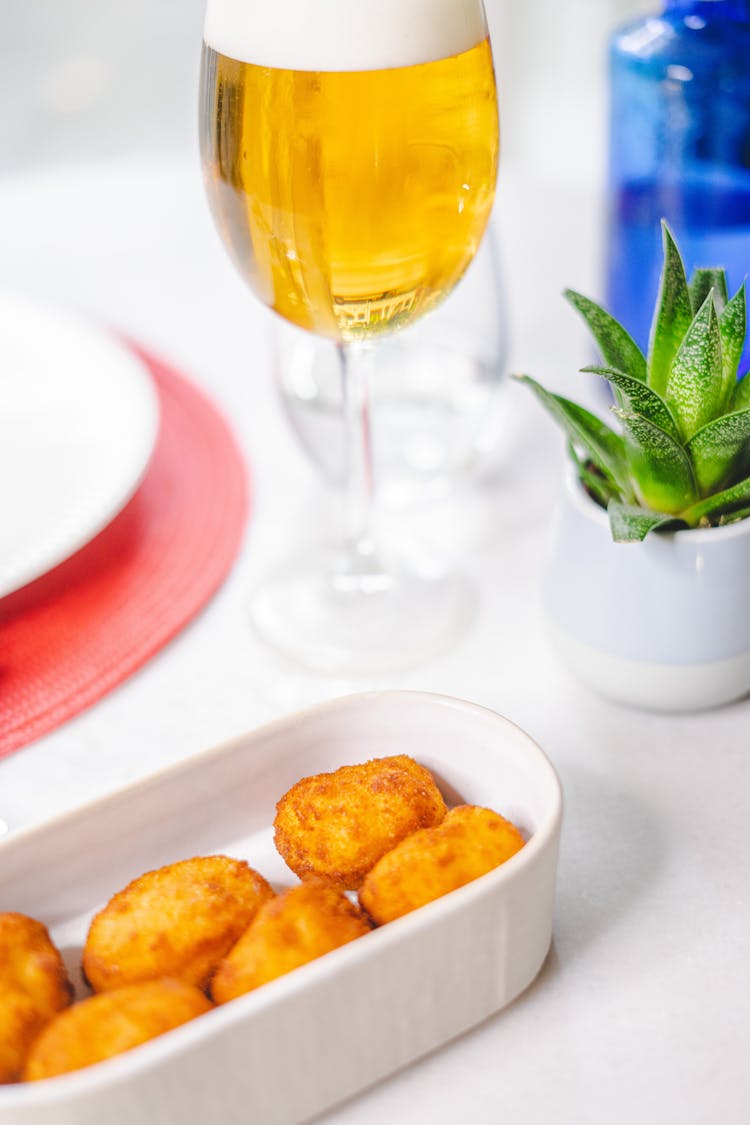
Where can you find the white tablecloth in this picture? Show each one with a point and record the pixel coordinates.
(642, 1010)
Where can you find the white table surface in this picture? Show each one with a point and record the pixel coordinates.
(642, 1010)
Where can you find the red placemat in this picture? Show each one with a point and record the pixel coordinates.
(71, 636)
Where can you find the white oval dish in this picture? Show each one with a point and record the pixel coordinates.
(350, 1018)
(79, 417)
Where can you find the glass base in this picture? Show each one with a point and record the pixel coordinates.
(355, 624)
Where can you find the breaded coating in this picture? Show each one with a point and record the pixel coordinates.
(469, 843)
(34, 986)
(107, 1025)
(338, 825)
(178, 921)
(301, 924)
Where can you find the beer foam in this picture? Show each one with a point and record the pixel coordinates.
(343, 34)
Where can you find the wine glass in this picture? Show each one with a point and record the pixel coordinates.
(438, 394)
(350, 156)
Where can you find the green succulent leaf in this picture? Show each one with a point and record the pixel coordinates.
(661, 469)
(733, 517)
(721, 503)
(638, 398)
(673, 315)
(599, 487)
(701, 284)
(732, 326)
(618, 348)
(741, 394)
(604, 447)
(684, 414)
(694, 387)
(631, 524)
(715, 449)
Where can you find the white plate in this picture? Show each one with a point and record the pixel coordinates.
(79, 415)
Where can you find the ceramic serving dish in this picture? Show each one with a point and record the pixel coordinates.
(306, 1041)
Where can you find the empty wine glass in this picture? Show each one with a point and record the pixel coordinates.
(437, 393)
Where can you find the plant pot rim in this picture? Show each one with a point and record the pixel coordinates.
(589, 507)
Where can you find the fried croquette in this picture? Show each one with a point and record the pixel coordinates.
(338, 825)
(178, 921)
(111, 1023)
(34, 986)
(469, 843)
(301, 924)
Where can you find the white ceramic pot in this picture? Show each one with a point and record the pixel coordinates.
(663, 624)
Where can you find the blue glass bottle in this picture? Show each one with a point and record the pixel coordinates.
(679, 148)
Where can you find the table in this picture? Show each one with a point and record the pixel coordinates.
(642, 1010)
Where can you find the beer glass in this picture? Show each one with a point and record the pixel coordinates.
(350, 155)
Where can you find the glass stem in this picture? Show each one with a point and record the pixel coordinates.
(358, 567)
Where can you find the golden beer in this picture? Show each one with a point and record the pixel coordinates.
(351, 201)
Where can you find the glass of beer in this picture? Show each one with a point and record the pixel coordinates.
(350, 155)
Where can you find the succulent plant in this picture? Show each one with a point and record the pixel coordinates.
(681, 456)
